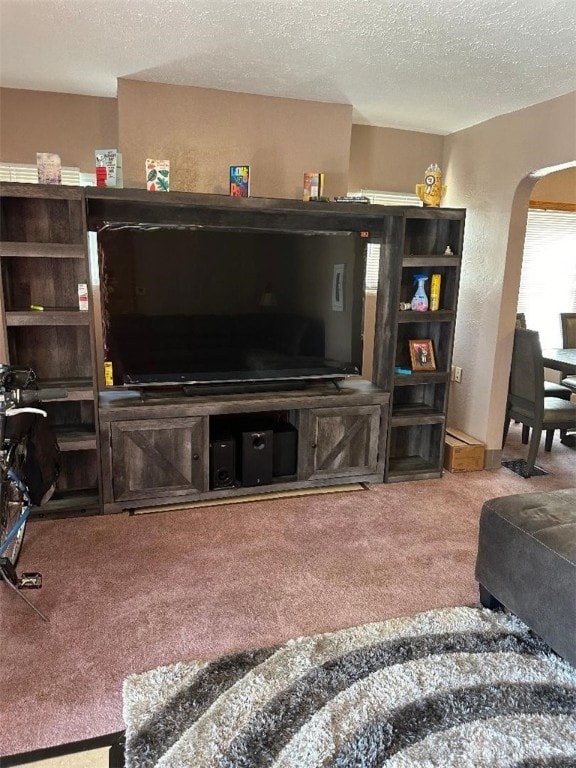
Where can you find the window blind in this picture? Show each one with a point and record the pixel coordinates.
(548, 278)
(373, 251)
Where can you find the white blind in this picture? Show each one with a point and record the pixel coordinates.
(373, 252)
(548, 279)
(28, 174)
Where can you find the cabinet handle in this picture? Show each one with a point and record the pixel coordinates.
(314, 445)
(196, 457)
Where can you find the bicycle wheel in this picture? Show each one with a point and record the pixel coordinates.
(14, 508)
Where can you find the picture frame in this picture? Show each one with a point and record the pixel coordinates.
(422, 355)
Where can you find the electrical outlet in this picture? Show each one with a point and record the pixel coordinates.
(457, 374)
(452, 373)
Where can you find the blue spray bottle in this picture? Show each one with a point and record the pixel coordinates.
(420, 300)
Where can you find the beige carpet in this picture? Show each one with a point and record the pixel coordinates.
(129, 593)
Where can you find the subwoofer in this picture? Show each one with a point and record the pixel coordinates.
(256, 457)
(284, 451)
(223, 462)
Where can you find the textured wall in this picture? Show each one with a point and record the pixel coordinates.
(202, 132)
(558, 187)
(390, 159)
(487, 170)
(72, 126)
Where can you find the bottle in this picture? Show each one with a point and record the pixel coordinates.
(420, 300)
(435, 283)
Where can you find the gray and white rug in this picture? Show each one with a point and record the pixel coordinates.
(449, 688)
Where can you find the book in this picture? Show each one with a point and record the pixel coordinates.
(49, 168)
(313, 186)
(111, 161)
(157, 175)
(240, 180)
(83, 297)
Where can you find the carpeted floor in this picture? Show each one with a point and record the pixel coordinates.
(450, 688)
(127, 594)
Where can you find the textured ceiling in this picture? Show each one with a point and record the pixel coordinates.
(425, 65)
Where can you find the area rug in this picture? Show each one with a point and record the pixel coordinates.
(450, 688)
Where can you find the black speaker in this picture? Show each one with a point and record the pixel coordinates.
(285, 449)
(222, 462)
(256, 458)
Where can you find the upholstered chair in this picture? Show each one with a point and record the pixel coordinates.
(526, 401)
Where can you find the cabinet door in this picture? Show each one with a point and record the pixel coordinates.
(159, 457)
(340, 442)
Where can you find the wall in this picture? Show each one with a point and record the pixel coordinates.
(202, 132)
(390, 159)
(559, 187)
(487, 170)
(72, 126)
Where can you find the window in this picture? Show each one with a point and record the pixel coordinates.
(373, 254)
(548, 279)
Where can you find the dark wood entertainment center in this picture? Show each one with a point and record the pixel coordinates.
(133, 448)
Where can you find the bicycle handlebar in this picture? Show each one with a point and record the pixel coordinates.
(29, 396)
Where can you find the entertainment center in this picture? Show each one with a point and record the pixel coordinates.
(221, 352)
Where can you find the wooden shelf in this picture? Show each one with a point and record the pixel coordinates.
(416, 413)
(411, 379)
(47, 317)
(72, 389)
(411, 468)
(41, 250)
(76, 438)
(69, 504)
(43, 255)
(439, 316)
(430, 260)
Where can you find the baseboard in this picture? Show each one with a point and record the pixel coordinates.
(493, 459)
(254, 497)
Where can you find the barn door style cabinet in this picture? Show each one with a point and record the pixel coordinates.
(128, 449)
(43, 260)
(157, 451)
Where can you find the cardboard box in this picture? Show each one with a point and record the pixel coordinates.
(462, 453)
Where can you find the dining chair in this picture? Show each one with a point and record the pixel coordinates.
(526, 401)
(568, 320)
(551, 389)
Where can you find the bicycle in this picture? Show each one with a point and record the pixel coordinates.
(18, 394)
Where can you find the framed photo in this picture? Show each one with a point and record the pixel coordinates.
(422, 355)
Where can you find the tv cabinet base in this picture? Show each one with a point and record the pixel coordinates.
(156, 450)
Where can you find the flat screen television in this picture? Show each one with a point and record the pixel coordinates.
(185, 305)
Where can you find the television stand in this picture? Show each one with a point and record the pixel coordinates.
(156, 452)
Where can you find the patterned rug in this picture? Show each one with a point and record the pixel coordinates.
(449, 688)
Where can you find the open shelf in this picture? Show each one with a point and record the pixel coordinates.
(416, 449)
(43, 260)
(69, 504)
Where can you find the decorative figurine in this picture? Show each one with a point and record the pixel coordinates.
(432, 191)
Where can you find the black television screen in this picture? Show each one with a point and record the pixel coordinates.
(186, 305)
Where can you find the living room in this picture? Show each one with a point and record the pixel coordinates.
(490, 168)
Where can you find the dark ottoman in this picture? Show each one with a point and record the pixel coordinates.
(527, 562)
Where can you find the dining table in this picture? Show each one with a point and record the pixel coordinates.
(559, 359)
(563, 360)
